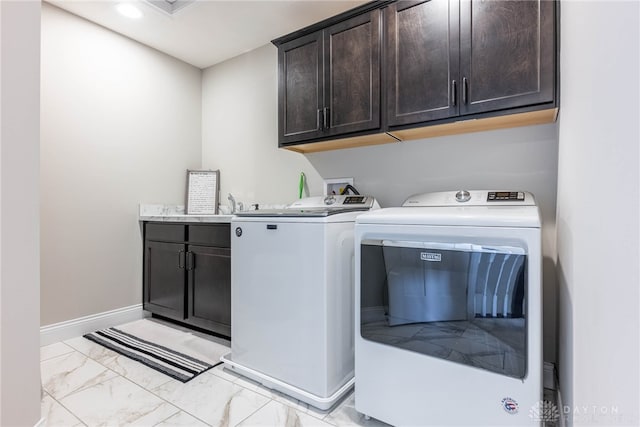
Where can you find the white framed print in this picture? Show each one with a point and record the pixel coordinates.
(202, 192)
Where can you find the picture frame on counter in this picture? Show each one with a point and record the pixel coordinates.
(202, 192)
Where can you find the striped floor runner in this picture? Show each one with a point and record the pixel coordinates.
(172, 363)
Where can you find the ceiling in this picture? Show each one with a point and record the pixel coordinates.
(206, 32)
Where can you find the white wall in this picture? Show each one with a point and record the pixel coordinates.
(598, 213)
(240, 130)
(240, 139)
(19, 213)
(121, 123)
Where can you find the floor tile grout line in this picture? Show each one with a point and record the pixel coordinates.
(178, 413)
(173, 404)
(145, 388)
(169, 379)
(71, 350)
(113, 378)
(151, 391)
(291, 405)
(258, 409)
(285, 401)
(235, 382)
(115, 356)
(270, 399)
(81, 389)
(67, 409)
(126, 379)
(148, 390)
(244, 388)
(179, 409)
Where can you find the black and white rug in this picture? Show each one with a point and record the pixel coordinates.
(157, 346)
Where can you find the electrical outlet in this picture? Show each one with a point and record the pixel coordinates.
(336, 185)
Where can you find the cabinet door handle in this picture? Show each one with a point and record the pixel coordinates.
(320, 120)
(191, 261)
(325, 117)
(181, 259)
(465, 89)
(454, 92)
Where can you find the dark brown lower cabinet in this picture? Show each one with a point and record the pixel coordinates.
(209, 289)
(164, 279)
(189, 283)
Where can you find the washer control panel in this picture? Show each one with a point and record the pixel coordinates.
(345, 200)
(512, 196)
(334, 201)
(354, 200)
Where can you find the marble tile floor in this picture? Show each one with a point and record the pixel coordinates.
(85, 384)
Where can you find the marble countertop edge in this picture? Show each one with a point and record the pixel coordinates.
(176, 213)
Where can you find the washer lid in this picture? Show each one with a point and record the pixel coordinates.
(319, 206)
(306, 212)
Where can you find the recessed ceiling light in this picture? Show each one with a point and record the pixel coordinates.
(170, 6)
(129, 10)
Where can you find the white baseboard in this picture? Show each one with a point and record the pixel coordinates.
(56, 332)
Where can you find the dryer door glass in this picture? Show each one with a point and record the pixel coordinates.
(461, 302)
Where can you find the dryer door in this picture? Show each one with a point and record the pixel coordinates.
(463, 302)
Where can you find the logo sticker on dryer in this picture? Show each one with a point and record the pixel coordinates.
(510, 405)
(430, 256)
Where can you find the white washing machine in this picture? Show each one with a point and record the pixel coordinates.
(292, 287)
(448, 310)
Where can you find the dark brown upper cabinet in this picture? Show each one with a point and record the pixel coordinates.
(507, 51)
(329, 81)
(422, 61)
(449, 58)
(301, 89)
(398, 70)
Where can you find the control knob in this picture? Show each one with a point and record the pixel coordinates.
(463, 196)
(329, 200)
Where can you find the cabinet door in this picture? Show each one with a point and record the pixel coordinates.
(300, 89)
(209, 288)
(352, 75)
(164, 279)
(506, 54)
(421, 61)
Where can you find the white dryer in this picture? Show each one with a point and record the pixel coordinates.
(448, 310)
(292, 287)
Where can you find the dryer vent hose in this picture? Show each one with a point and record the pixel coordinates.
(351, 188)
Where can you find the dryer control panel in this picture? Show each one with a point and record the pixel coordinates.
(471, 198)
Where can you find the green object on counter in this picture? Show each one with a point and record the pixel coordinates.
(301, 185)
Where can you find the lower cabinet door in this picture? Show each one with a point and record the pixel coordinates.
(164, 279)
(209, 288)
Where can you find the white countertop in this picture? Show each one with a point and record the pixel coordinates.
(175, 213)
